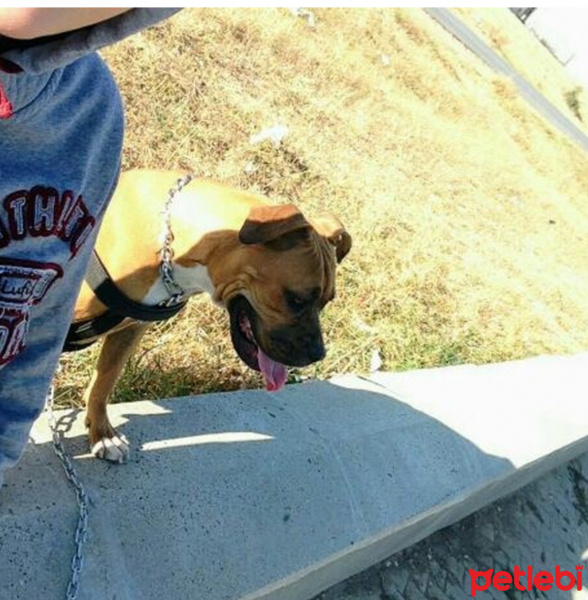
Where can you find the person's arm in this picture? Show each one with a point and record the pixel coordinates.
(29, 23)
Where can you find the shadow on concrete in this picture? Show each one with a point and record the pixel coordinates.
(228, 493)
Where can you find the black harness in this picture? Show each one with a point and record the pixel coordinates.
(84, 333)
(119, 307)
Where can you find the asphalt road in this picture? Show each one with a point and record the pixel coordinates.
(471, 41)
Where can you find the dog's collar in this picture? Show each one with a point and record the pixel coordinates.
(174, 289)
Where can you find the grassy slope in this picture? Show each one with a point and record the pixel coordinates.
(468, 211)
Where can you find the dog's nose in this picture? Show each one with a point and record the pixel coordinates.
(316, 351)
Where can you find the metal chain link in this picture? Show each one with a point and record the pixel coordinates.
(81, 533)
(166, 268)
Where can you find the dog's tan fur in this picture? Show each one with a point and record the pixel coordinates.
(236, 236)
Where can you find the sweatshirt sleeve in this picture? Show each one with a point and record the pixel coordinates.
(52, 52)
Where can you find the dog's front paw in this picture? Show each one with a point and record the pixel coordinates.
(114, 449)
(105, 441)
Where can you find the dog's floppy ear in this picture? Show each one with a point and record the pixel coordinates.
(330, 227)
(268, 223)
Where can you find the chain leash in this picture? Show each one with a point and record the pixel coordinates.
(81, 533)
(176, 296)
(174, 290)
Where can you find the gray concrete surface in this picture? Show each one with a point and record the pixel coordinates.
(543, 525)
(253, 495)
(471, 41)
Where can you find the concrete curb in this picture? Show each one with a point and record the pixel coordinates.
(259, 496)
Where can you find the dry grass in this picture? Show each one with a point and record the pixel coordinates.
(503, 31)
(468, 211)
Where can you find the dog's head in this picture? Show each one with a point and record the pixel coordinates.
(285, 277)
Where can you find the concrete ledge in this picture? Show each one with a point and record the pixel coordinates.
(253, 495)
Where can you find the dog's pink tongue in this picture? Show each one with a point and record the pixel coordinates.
(274, 372)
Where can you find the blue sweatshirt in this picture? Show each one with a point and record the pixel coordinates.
(61, 133)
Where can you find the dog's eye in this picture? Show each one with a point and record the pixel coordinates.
(295, 302)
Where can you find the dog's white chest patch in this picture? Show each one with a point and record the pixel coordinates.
(193, 280)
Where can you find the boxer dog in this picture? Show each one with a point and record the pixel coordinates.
(268, 265)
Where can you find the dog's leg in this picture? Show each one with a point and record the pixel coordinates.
(116, 349)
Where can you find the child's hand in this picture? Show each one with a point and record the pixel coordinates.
(29, 23)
